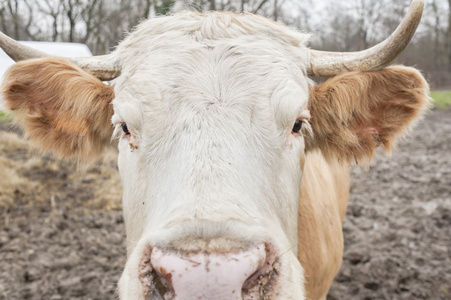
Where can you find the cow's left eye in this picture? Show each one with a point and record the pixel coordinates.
(297, 126)
(125, 129)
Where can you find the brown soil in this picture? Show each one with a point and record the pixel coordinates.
(398, 225)
(62, 233)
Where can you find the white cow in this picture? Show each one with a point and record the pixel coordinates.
(234, 164)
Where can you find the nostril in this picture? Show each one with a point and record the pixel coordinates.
(254, 277)
(154, 284)
(204, 275)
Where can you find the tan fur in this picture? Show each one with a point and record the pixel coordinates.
(322, 207)
(61, 108)
(355, 112)
(352, 114)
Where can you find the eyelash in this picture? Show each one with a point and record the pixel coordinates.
(121, 131)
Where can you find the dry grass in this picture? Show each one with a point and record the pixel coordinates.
(11, 183)
(34, 179)
(108, 191)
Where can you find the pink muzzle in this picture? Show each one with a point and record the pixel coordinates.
(204, 275)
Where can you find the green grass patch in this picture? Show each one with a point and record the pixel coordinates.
(5, 116)
(442, 99)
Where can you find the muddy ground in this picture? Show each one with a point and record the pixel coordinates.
(62, 233)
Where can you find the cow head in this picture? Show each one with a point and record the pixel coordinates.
(214, 115)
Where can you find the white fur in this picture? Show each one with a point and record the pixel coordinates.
(210, 101)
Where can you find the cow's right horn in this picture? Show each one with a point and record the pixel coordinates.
(328, 64)
(103, 67)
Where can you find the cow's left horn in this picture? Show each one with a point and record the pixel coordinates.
(102, 67)
(328, 64)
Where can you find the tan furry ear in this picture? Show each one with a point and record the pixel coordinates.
(353, 113)
(61, 108)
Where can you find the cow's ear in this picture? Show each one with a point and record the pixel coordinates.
(353, 113)
(61, 108)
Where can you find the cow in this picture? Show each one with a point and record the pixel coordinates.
(234, 164)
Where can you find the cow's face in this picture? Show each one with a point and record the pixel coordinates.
(210, 140)
(213, 115)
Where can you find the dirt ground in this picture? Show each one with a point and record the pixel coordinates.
(62, 232)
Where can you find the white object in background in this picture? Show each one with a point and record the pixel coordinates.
(54, 48)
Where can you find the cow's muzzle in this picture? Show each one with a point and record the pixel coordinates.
(237, 274)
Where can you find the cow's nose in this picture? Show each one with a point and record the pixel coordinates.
(204, 275)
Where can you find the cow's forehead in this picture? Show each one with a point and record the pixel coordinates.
(215, 58)
(205, 28)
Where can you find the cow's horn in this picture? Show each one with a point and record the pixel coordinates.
(328, 64)
(103, 66)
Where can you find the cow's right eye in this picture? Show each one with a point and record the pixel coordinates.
(125, 129)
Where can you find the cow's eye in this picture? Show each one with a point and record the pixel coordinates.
(297, 126)
(125, 129)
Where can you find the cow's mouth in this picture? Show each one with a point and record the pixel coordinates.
(209, 275)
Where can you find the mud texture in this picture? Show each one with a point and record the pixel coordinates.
(62, 233)
(398, 224)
